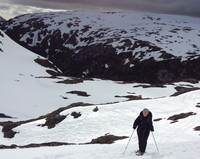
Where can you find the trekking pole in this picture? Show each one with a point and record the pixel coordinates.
(155, 141)
(128, 141)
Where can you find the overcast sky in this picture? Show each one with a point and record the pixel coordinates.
(11, 8)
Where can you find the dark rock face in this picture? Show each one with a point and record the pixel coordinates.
(86, 46)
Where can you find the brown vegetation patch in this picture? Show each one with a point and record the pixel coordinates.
(13, 146)
(198, 105)
(45, 63)
(46, 144)
(10, 134)
(181, 90)
(79, 93)
(75, 80)
(143, 86)
(130, 97)
(131, 92)
(158, 85)
(54, 73)
(176, 117)
(197, 128)
(152, 85)
(49, 77)
(95, 109)
(189, 80)
(51, 121)
(4, 116)
(174, 121)
(157, 119)
(79, 104)
(63, 97)
(7, 129)
(175, 30)
(107, 139)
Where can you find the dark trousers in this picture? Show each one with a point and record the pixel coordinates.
(142, 139)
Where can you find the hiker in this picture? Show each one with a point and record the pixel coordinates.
(144, 125)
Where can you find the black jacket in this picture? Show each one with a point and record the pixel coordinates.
(144, 123)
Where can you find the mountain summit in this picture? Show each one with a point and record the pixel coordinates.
(148, 48)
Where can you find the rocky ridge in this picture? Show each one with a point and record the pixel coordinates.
(147, 48)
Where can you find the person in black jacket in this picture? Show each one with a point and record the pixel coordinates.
(144, 125)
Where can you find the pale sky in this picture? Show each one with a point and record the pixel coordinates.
(12, 8)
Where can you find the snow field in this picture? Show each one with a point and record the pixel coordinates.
(169, 150)
(116, 119)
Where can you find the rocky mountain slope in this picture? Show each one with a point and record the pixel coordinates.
(148, 48)
(44, 117)
(30, 88)
(2, 20)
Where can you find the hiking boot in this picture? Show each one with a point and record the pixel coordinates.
(139, 153)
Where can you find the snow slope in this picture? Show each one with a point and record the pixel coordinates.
(24, 96)
(115, 119)
(177, 140)
(169, 150)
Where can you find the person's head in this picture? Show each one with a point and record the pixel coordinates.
(145, 112)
